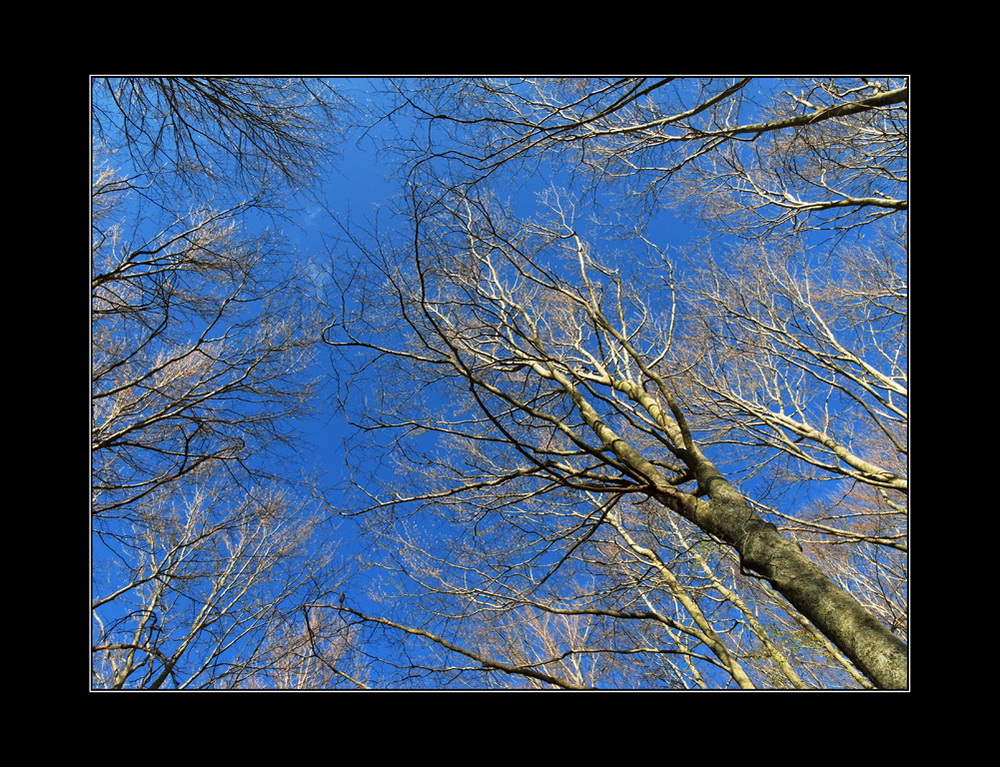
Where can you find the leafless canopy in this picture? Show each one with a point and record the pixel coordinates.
(247, 132)
(206, 539)
(586, 453)
(622, 465)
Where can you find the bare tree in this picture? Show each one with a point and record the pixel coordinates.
(198, 348)
(802, 376)
(247, 133)
(558, 370)
(582, 458)
(749, 155)
(191, 593)
(697, 463)
(206, 535)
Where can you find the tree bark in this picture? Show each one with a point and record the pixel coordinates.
(869, 644)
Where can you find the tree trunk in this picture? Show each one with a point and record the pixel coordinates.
(869, 644)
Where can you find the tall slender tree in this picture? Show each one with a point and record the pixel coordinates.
(699, 459)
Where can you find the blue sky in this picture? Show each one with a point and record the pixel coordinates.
(358, 188)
